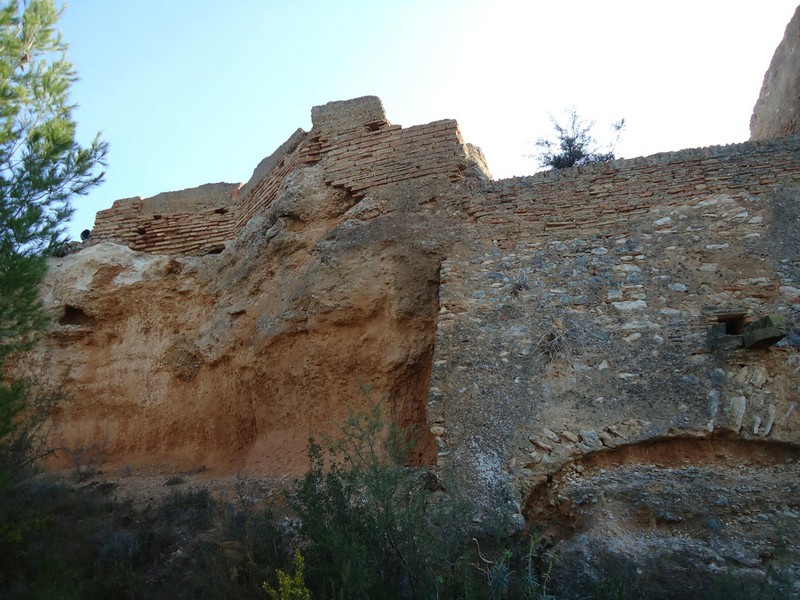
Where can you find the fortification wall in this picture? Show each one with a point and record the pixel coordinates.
(362, 158)
(574, 341)
(265, 183)
(582, 316)
(605, 196)
(356, 146)
(195, 221)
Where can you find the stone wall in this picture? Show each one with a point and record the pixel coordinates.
(585, 314)
(590, 373)
(577, 342)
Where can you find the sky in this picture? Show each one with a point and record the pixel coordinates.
(189, 92)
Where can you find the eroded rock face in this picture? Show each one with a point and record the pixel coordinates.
(233, 360)
(705, 508)
(777, 111)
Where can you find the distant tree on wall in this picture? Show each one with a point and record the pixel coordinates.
(573, 144)
(42, 167)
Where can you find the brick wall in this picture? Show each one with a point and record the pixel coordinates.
(359, 156)
(355, 155)
(603, 196)
(378, 153)
(190, 222)
(258, 193)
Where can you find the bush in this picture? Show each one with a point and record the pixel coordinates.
(573, 144)
(290, 587)
(373, 526)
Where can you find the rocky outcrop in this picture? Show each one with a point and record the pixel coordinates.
(573, 346)
(777, 111)
(323, 302)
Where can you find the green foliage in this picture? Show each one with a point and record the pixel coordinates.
(290, 587)
(573, 144)
(42, 167)
(512, 571)
(374, 526)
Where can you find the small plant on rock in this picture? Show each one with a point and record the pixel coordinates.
(290, 587)
(560, 340)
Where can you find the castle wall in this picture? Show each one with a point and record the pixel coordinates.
(626, 260)
(190, 222)
(360, 159)
(605, 196)
(258, 193)
(579, 342)
(582, 317)
(356, 156)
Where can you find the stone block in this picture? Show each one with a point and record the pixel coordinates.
(766, 331)
(347, 114)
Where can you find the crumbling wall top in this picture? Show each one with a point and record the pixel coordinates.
(197, 199)
(269, 163)
(348, 114)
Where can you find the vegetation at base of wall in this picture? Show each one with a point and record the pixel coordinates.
(290, 587)
(70, 539)
(364, 511)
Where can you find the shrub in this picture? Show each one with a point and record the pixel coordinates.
(290, 587)
(372, 525)
(573, 144)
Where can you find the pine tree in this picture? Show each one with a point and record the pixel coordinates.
(42, 167)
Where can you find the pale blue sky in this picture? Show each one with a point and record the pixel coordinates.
(197, 91)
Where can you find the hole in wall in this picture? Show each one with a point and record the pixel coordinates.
(75, 316)
(734, 322)
(375, 125)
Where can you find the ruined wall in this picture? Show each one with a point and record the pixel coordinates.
(358, 148)
(572, 341)
(265, 183)
(189, 222)
(590, 372)
(618, 262)
(603, 197)
(233, 359)
(360, 159)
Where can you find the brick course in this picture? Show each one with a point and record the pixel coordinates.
(600, 198)
(355, 158)
(596, 198)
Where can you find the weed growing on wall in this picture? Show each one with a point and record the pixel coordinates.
(561, 338)
(573, 143)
